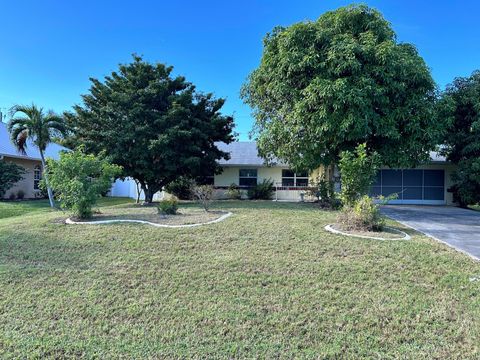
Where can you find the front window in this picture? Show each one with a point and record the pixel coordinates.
(290, 178)
(247, 177)
(37, 176)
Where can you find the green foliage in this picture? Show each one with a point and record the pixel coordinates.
(168, 207)
(10, 174)
(460, 107)
(325, 86)
(32, 122)
(157, 127)
(357, 170)
(466, 190)
(181, 188)
(324, 192)
(79, 179)
(262, 191)
(364, 214)
(203, 194)
(233, 192)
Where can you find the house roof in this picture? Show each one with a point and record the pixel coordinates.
(243, 153)
(246, 153)
(8, 149)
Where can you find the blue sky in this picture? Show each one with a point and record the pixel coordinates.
(49, 49)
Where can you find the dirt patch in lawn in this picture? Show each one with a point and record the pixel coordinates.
(184, 216)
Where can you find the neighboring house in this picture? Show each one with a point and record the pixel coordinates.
(30, 162)
(426, 184)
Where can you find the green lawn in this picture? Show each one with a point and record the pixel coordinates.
(267, 282)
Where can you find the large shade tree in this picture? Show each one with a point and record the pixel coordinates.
(460, 107)
(155, 125)
(325, 86)
(32, 122)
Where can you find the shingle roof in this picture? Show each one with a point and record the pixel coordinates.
(246, 153)
(8, 149)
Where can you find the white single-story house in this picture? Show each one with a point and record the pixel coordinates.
(427, 184)
(30, 161)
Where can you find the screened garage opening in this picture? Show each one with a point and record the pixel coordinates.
(413, 186)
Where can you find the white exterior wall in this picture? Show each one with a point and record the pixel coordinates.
(230, 175)
(128, 188)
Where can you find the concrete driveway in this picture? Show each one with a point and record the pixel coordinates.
(458, 228)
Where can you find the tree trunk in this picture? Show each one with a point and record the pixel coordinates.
(148, 192)
(139, 191)
(45, 174)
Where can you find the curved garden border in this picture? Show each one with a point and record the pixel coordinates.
(221, 218)
(335, 231)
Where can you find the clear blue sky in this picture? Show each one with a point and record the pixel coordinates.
(49, 49)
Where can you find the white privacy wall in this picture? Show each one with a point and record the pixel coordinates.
(128, 188)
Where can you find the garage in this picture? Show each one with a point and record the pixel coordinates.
(413, 186)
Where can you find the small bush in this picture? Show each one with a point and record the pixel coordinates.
(363, 215)
(357, 170)
(181, 188)
(12, 196)
(10, 173)
(233, 192)
(203, 194)
(262, 191)
(20, 194)
(324, 192)
(79, 179)
(168, 207)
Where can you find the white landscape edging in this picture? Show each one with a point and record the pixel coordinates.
(221, 218)
(330, 228)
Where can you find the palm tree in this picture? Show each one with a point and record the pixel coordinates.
(31, 122)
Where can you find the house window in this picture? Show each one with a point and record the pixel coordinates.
(247, 177)
(290, 178)
(37, 176)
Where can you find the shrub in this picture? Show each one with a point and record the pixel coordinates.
(233, 192)
(203, 194)
(357, 170)
(12, 196)
(363, 215)
(262, 191)
(181, 188)
(168, 207)
(20, 194)
(324, 192)
(79, 180)
(10, 173)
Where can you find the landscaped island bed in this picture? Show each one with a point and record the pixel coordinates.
(186, 215)
(266, 282)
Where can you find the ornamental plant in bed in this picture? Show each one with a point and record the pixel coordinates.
(358, 171)
(79, 179)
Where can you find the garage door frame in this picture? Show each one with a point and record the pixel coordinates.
(398, 185)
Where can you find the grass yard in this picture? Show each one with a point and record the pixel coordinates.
(268, 282)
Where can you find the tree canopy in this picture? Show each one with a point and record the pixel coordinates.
(156, 126)
(460, 107)
(326, 86)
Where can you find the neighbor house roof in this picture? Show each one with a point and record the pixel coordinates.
(8, 149)
(246, 153)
